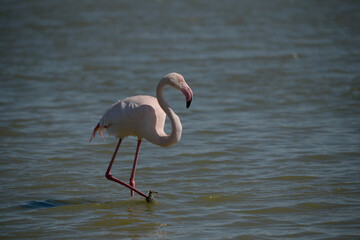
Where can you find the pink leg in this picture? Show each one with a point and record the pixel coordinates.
(132, 178)
(109, 176)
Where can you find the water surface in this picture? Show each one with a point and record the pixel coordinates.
(270, 146)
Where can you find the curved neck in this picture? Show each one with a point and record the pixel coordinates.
(176, 128)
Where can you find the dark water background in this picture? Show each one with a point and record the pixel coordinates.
(270, 146)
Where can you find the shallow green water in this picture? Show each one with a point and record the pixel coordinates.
(270, 146)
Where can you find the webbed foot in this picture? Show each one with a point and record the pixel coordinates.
(150, 197)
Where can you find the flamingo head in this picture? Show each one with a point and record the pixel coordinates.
(177, 81)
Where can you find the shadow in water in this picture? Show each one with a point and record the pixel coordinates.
(51, 203)
(44, 204)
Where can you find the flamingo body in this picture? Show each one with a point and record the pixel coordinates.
(144, 117)
(139, 116)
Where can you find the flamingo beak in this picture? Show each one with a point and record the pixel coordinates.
(188, 103)
(188, 93)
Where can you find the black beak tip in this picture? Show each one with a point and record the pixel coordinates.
(188, 103)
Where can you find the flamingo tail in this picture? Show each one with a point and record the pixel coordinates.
(97, 128)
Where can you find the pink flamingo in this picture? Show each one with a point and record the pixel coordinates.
(144, 117)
